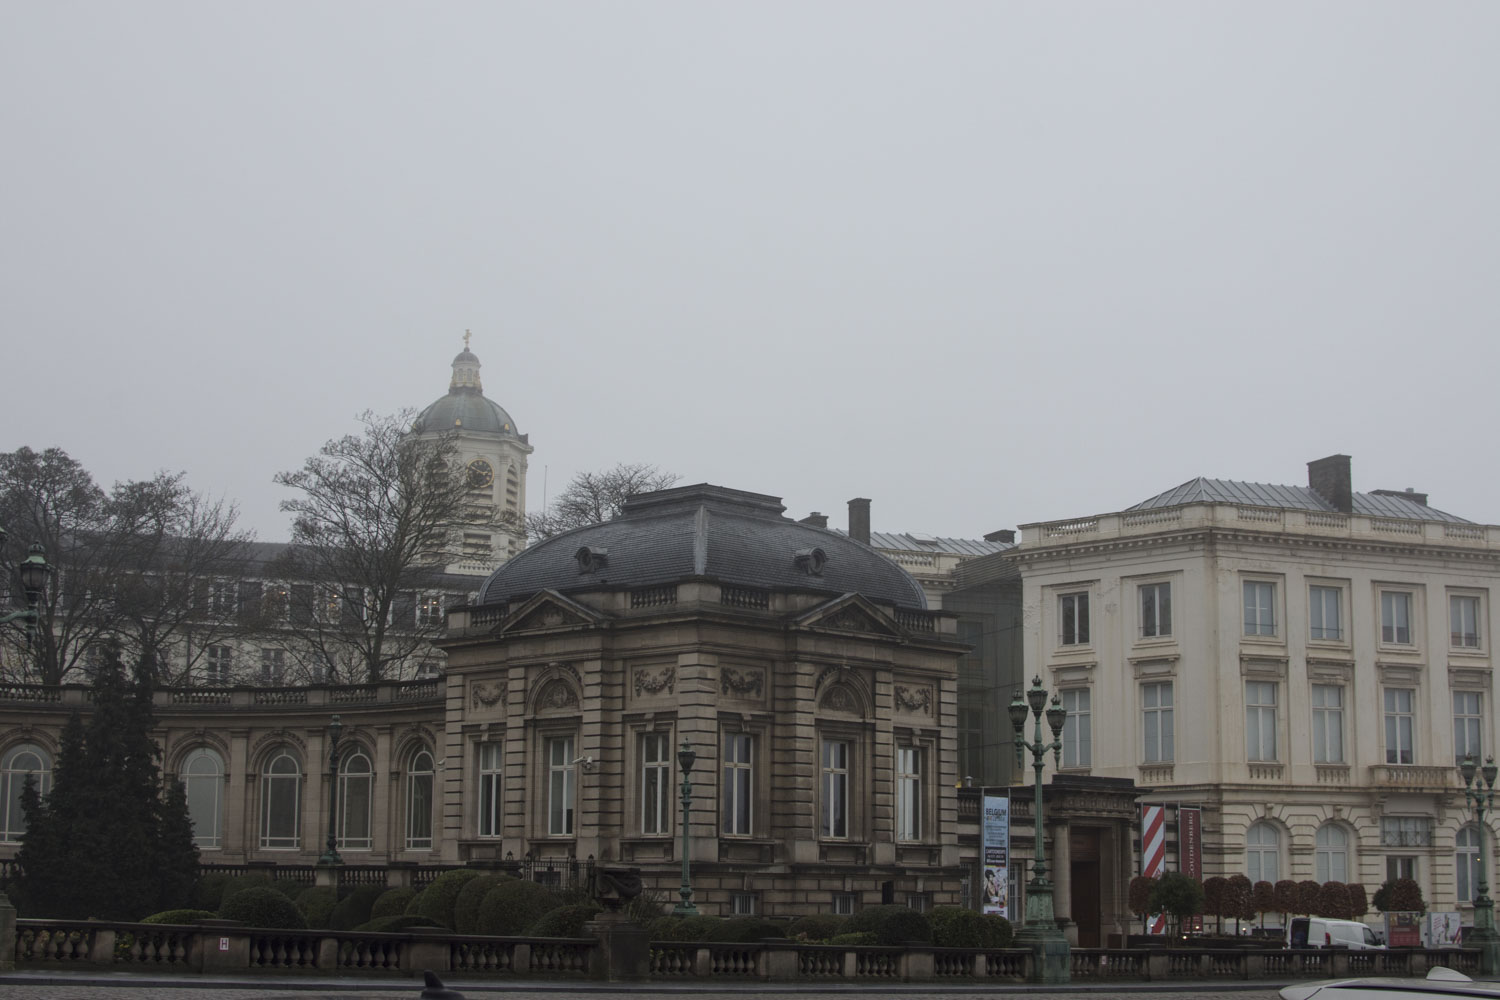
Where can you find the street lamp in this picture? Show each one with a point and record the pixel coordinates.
(1482, 798)
(685, 760)
(33, 572)
(331, 854)
(1040, 933)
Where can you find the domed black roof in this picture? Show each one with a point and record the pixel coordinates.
(731, 536)
(465, 409)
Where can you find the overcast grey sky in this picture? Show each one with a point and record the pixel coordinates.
(985, 263)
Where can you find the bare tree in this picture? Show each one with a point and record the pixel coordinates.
(374, 523)
(595, 497)
(128, 566)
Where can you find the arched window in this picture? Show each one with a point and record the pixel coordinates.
(1466, 862)
(1332, 857)
(281, 803)
(203, 778)
(18, 764)
(354, 802)
(419, 802)
(1262, 853)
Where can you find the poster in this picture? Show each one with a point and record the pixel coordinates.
(1190, 851)
(994, 889)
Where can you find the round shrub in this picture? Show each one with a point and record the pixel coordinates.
(998, 933)
(957, 927)
(436, 901)
(316, 904)
(565, 921)
(395, 922)
(392, 903)
(208, 893)
(511, 907)
(466, 906)
(743, 930)
(816, 927)
(263, 907)
(853, 939)
(354, 908)
(699, 928)
(891, 924)
(179, 917)
(239, 883)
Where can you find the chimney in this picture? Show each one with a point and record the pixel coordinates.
(859, 520)
(1003, 535)
(816, 520)
(1329, 478)
(1406, 494)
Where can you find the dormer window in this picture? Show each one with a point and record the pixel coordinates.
(591, 559)
(811, 561)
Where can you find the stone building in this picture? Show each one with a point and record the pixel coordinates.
(1306, 663)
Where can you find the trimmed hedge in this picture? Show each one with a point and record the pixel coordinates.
(317, 904)
(511, 907)
(239, 883)
(179, 917)
(699, 928)
(891, 924)
(436, 901)
(208, 893)
(263, 907)
(354, 909)
(565, 921)
(853, 939)
(395, 922)
(466, 906)
(747, 929)
(816, 926)
(998, 931)
(393, 903)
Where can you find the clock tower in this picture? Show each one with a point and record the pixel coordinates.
(494, 456)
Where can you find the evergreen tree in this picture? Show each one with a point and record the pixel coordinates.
(106, 842)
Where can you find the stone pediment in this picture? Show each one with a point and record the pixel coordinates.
(546, 611)
(850, 613)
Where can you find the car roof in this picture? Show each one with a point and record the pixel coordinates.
(1441, 982)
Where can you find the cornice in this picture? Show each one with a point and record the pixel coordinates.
(1217, 535)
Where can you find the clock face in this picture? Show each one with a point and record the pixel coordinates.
(480, 474)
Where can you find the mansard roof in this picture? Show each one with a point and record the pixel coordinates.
(1205, 490)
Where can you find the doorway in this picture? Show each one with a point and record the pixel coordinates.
(1083, 845)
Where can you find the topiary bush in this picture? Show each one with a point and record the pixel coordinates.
(747, 929)
(466, 905)
(436, 901)
(957, 927)
(239, 883)
(513, 906)
(891, 924)
(316, 904)
(816, 927)
(998, 933)
(263, 907)
(565, 921)
(699, 928)
(392, 922)
(354, 909)
(179, 917)
(393, 903)
(208, 893)
(853, 939)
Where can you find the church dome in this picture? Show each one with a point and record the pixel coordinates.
(705, 532)
(465, 407)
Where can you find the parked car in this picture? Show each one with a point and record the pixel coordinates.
(1324, 932)
(1441, 984)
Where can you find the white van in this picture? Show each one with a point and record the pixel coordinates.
(1322, 932)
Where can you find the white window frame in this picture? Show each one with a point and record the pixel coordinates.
(562, 785)
(1465, 614)
(908, 792)
(1157, 733)
(1259, 608)
(281, 768)
(272, 666)
(1263, 846)
(1466, 862)
(1397, 617)
(1073, 607)
(1262, 721)
(1331, 853)
(737, 799)
(1324, 599)
(1078, 727)
(202, 777)
(1468, 725)
(1327, 701)
(656, 783)
(833, 813)
(218, 664)
(13, 775)
(1154, 607)
(420, 772)
(490, 759)
(1399, 716)
(356, 801)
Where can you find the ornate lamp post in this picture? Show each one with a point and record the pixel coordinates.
(33, 572)
(1039, 933)
(1482, 798)
(685, 760)
(331, 853)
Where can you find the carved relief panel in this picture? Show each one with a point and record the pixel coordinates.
(742, 682)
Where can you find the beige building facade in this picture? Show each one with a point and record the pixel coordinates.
(1308, 664)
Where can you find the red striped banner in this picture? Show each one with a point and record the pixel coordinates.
(1154, 856)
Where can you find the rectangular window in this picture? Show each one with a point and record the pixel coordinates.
(429, 610)
(1260, 607)
(1466, 727)
(1400, 867)
(217, 665)
(835, 789)
(1328, 724)
(919, 901)
(843, 904)
(1073, 612)
(1156, 721)
(489, 789)
(656, 783)
(1324, 613)
(742, 904)
(738, 775)
(1078, 728)
(1463, 622)
(1399, 725)
(908, 793)
(561, 778)
(1405, 831)
(1156, 610)
(272, 666)
(1260, 720)
(1395, 617)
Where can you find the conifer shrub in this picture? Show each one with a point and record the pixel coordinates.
(183, 916)
(816, 927)
(513, 906)
(565, 921)
(891, 924)
(263, 907)
(466, 906)
(436, 901)
(393, 903)
(354, 909)
(316, 904)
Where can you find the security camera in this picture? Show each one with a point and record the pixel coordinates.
(587, 762)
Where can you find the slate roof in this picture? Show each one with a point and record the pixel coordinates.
(467, 409)
(706, 531)
(1204, 490)
(908, 542)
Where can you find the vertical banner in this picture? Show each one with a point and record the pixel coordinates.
(1154, 856)
(1190, 847)
(995, 855)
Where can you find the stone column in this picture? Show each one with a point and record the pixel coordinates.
(1062, 880)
